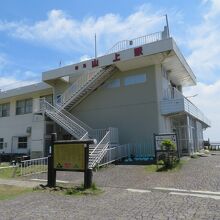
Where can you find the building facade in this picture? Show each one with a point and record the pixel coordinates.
(21, 130)
(122, 97)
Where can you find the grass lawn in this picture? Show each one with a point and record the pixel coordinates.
(70, 190)
(153, 167)
(11, 172)
(14, 172)
(4, 164)
(8, 192)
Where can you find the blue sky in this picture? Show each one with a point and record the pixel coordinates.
(35, 35)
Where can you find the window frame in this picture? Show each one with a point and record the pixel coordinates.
(139, 78)
(24, 106)
(5, 110)
(1, 143)
(58, 99)
(112, 84)
(22, 144)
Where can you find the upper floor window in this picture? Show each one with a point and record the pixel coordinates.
(135, 79)
(22, 142)
(113, 84)
(1, 143)
(24, 106)
(5, 110)
(58, 99)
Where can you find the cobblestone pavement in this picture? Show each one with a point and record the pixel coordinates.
(118, 203)
(197, 174)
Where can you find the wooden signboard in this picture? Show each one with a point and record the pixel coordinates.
(69, 157)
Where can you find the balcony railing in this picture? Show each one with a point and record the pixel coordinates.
(126, 44)
(178, 103)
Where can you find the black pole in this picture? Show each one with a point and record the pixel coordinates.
(88, 171)
(51, 173)
(168, 29)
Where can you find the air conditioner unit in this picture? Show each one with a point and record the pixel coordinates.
(28, 130)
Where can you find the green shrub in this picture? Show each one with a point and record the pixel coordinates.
(168, 145)
(169, 158)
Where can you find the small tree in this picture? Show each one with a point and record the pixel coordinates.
(170, 158)
(168, 145)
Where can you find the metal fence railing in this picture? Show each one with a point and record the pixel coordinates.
(126, 44)
(137, 151)
(214, 146)
(33, 166)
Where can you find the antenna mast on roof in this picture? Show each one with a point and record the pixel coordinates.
(167, 24)
(95, 47)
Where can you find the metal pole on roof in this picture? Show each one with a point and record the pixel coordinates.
(168, 30)
(95, 47)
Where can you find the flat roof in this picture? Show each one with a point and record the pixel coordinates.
(163, 51)
(25, 90)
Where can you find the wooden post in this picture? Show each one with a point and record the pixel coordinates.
(51, 173)
(88, 171)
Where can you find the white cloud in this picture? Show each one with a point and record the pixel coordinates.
(85, 57)
(204, 60)
(60, 31)
(11, 76)
(214, 10)
(7, 83)
(208, 100)
(204, 43)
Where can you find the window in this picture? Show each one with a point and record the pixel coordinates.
(135, 79)
(58, 99)
(22, 142)
(1, 143)
(113, 84)
(24, 106)
(5, 110)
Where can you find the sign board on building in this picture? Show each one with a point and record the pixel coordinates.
(159, 138)
(70, 156)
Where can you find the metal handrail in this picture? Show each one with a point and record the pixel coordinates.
(77, 86)
(107, 134)
(84, 136)
(59, 112)
(81, 123)
(126, 44)
(191, 106)
(104, 141)
(32, 166)
(100, 156)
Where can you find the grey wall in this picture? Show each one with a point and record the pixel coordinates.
(133, 109)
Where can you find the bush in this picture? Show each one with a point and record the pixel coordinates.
(168, 145)
(169, 159)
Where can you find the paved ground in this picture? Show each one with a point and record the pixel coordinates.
(117, 202)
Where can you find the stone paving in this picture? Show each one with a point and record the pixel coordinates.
(118, 203)
(198, 174)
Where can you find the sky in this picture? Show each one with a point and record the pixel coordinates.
(38, 35)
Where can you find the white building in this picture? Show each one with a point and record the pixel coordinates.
(21, 130)
(122, 97)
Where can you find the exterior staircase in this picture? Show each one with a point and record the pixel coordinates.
(83, 86)
(71, 97)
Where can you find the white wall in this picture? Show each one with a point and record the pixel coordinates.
(15, 126)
